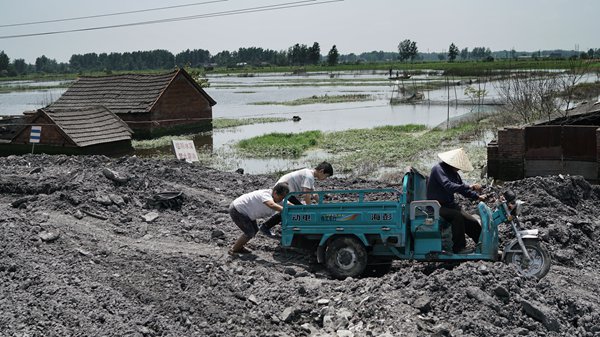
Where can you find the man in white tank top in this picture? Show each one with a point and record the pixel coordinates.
(251, 206)
(299, 181)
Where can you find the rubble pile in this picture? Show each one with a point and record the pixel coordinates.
(90, 247)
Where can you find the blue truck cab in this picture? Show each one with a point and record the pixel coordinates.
(358, 232)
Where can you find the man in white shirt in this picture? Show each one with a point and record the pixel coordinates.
(299, 181)
(251, 206)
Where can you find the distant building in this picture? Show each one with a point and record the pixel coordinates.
(152, 105)
(90, 130)
(566, 145)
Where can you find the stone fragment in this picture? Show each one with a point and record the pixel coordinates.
(117, 200)
(322, 301)
(541, 313)
(483, 297)
(78, 214)
(422, 303)
(288, 314)
(149, 217)
(48, 236)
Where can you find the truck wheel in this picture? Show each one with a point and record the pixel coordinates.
(345, 257)
(540, 259)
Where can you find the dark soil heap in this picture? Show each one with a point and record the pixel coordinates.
(86, 249)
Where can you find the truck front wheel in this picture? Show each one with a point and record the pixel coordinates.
(345, 257)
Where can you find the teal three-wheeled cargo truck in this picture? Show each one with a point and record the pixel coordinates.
(360, 232)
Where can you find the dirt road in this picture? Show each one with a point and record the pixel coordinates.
(77, 258)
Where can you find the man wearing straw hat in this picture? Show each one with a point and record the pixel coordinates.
(443, 183)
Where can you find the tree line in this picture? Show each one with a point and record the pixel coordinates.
(296, 55)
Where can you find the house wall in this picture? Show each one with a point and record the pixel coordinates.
(50, 134)
(181, 108)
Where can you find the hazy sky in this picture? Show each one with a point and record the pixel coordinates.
(354, 26)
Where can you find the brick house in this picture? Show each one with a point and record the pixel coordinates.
(152, 105)
(90, 130)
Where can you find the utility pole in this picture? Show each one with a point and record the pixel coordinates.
(448, 113)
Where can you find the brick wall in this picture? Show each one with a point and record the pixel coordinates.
(492, 159)
(50, 134)
(598, 151)
(180, 104)
(509, 163)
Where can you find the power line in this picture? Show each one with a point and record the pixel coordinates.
(184, 18)
(110, 14)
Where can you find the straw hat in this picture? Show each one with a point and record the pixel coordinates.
(456, 158)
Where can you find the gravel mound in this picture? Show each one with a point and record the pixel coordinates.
(86, 250)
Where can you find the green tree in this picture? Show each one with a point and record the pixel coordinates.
(452, 52)
(298, 54)
(464, 54)
(45, 65)
(407, 50)
(224, 58)
(591, 53)
(480, 53)
(4, 61)
(332, 56)
(314, 53)
(20, 66)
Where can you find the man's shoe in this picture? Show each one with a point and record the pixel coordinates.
(464, 251)
(243, 250)
(267, 232)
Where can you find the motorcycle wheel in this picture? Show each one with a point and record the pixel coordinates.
(540, 259)
(345, 257)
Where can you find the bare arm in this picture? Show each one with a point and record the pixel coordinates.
(273, 205)
(307, 196)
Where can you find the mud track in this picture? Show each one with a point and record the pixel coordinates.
(77, 258)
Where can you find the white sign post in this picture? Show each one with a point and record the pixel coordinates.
(34, 137)
(185, 149)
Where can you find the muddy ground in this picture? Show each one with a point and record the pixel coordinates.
(77, 258)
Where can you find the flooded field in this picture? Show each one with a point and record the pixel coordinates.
(237, 97)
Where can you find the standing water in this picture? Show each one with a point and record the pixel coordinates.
(236, 98)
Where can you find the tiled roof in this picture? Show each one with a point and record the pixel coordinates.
(120, 94)
(89, 126)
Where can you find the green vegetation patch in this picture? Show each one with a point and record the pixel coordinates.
(322, 99)
(387, 145)
(282, 145)
(221, 123)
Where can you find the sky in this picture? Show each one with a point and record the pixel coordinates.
(354, 26)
